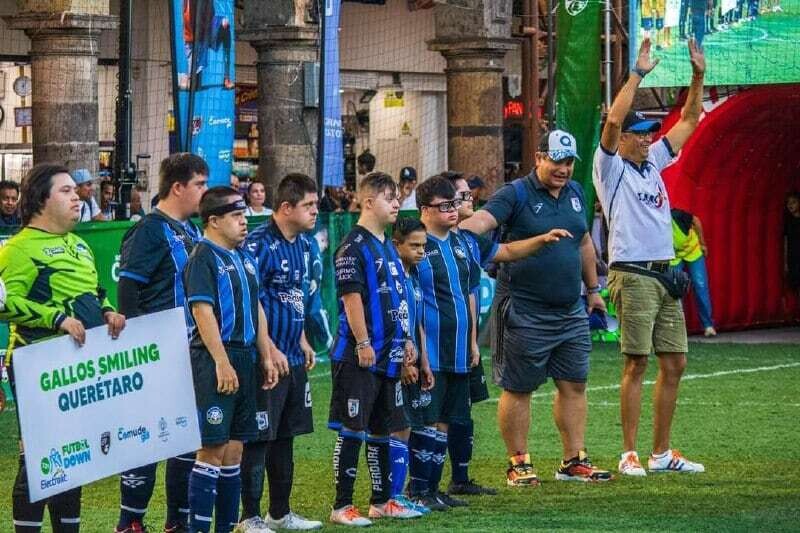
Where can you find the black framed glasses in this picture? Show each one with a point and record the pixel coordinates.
(464, 196)
(446, 206)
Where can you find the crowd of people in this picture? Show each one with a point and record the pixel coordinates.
(405, 363)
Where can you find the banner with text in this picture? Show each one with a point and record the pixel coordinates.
(333, 154)
(112, 405)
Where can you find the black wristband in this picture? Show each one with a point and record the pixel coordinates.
(639, 71)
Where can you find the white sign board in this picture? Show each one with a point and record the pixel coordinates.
(109, 406)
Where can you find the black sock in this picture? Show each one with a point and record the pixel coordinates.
(280, 474)
(177, 481)
(65, 511)
(439, 455)
(379, 469)
(27, 516)
(135, 490)
(253, 461)
(459, 445)
(345, 465)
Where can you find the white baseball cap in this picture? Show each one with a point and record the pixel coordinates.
(558, 145)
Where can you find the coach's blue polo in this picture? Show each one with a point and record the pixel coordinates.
(552, 276)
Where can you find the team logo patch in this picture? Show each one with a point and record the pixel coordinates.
(262, 419)
(214, 416)
(250, 268)
(308, 394)
(105, 442)
(537, 208)
(352, 407)
(393, 268)
(576, 204)
(460, 253)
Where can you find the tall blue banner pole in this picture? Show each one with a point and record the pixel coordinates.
(332, 171)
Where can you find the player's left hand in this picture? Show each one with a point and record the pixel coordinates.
(309, 354)
(410, 353)
(280, 362)
(697, 57)
(476, 355)
(426, 378)
(116, 323)
(595, 302)
(270, 373)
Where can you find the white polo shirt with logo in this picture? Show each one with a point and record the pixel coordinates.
(635, 203)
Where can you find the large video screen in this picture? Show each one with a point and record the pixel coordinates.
(746, 42)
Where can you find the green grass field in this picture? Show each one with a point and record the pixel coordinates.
(738, 414)
(766, 50)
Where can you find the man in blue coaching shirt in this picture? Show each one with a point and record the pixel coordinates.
(229, 345)
(370, 347)
(153, 255)
(283, 253)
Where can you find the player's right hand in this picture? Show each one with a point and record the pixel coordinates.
(270, 374)
(280, 362)
(555, 235)
(74, 328)
(426, 379)
(366, 357)
(227, 381)
(409, 375)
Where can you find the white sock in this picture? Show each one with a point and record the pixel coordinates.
(662, 455)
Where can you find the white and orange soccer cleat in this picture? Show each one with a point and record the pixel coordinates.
(629, 465)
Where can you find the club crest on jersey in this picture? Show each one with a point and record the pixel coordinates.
(249, 267)
(398, 286)
(352, 407)
(393, 268)
(459, 252)
(576, 204)
(262, 419)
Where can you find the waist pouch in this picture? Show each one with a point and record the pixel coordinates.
(674, 280)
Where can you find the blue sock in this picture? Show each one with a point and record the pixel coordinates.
(202, 494)
(459, 445)
(398, 456)
(229, 489)
(421, 445)
(135, 489)
(439, 455)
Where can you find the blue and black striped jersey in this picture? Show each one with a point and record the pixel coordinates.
(154, 253)
(228, 281)
(483, 251)
(414, 299)
(372, 268)
(283, 273)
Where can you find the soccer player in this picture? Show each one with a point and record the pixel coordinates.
(370, 347)
(153, 254)
(228, 346)
(409, 237)
(283, 253)
(51, 288)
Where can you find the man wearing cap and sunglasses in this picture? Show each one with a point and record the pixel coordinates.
(627, 176)
(543, 328)
(89, 209)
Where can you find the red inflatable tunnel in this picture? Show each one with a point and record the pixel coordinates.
(734, 174)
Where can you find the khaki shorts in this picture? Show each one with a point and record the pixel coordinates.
(649, 318)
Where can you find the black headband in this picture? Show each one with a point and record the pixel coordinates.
(238, 205)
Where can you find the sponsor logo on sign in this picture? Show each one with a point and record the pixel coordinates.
(71, 455)
(352, 408)
(105, 442)
(141, 433)
(262, 419)
(214, 415)
(182, 422)
(163, 434)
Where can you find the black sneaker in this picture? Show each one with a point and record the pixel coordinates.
(430, 502)
(449, 500)
(176, 527)
(470, 488)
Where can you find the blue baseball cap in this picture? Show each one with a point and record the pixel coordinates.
(82, 176)
(636, 122)
(559, 145)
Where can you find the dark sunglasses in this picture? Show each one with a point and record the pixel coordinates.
(446, 206)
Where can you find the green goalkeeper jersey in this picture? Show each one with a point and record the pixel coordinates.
(49, 277)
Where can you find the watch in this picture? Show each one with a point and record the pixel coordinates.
(641, 73)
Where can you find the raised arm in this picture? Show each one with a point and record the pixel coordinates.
(690, 114)
(479, 223)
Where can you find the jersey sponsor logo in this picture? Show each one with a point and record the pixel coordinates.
(225, 268)
(431, 253)
(384, 288)
(51, 251)
(397, 354)
(345, 260)
(352, 407)
(262, 420)
(214, 416)
(400, 315)
(294, 298)
(653, 201)
(537, 207)
(345, 274)
(81, 248)
(105, 442)
(274, 246)
(576, 204)
(459, 252)
(308, 394)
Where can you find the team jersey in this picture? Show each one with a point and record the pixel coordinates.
(414, 299)
(49, 277)
(228, 281)
(154, 253)
(283, 273)
(372, 268)
(447, 276)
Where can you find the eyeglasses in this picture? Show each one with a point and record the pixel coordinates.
(464, 196)
(446, 206)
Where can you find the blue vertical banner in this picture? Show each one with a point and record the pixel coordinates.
(203, 70)
(333, 154)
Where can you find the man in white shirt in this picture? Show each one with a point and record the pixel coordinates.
(627, 176)
(89, 209)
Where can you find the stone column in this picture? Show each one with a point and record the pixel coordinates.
(285, 39)
(474, 40)
(64, 51)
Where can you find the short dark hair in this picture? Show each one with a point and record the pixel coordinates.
(293, 188)
(367, 160)
(106, 183)
(35, 189)
(433, 187)
(377, 182)
(405, 226)
(452, 176)
(8, 184)
(179, 168)
(214, 198)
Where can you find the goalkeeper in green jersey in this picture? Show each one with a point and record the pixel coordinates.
(51, 289)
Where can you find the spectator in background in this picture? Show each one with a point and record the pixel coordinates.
(137, 211)
(235, 183)
(791, 242)
(336, 200)
(89, 209)
(366, 162)
(690, 250)
(256, 198)
(478, 189)
(408, 189)
(9, 197)
(107, 204)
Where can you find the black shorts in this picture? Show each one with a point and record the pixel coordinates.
(478, 388)
(285, 411)
(415, 402)
(450, 401)
(225, 417)
(362, 400)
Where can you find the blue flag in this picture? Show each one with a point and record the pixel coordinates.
(332, 156)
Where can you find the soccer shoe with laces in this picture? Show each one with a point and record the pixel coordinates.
(293, 522)
(134, 527)
(673, 461)
(470, 488)
(349, 515)
(430, 501)
(520, 472)
(580, 468)
(449, 500)
(629, 465)
(406, 502)
(392, 509)
(254, 524)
